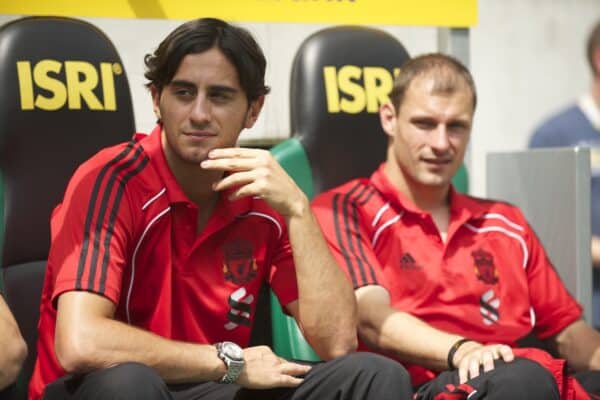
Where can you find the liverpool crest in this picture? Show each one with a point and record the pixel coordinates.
(239, 264)
(484, 266)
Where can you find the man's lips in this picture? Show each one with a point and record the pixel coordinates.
(199, 134)
(437, 161)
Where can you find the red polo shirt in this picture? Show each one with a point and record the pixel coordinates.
(491, 280)
(126, 230)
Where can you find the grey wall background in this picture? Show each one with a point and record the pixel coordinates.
(527, 57)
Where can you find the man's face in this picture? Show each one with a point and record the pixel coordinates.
(428, 134)
(202, 108)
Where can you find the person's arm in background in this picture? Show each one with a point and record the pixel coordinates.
(14, 349)
(326, 308)
(596, 251)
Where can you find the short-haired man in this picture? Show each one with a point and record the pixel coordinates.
(445, 281)
(160, 246)
(14, 349)
(579, 125)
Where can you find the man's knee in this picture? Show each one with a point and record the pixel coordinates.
(522, 379)
(378, 369)
(124, 381)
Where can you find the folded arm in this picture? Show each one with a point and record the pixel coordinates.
(326, 307)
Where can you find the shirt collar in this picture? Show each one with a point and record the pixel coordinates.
(590, 109)
(462, 207)
(152, 144)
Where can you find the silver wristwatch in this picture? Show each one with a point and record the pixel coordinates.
(233, 357)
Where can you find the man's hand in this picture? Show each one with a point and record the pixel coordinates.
(254, 172)
(472, 355)
(265, 370)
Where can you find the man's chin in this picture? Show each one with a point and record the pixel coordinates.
(196, 158)
(435, 181)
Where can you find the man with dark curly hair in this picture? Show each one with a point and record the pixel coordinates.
(161, 245)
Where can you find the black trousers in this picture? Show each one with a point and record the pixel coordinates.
(521, 379)
(352, 377)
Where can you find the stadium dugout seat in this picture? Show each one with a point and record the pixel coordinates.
(65, 95)
(340, 76)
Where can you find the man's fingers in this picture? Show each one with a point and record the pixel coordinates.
(293, 369)
(255, 189)
(506, 353)
(463, 373)
(487, 360)
(234, 180)
(288, 381)
(230, 164)
(474, 367)
(235, 152)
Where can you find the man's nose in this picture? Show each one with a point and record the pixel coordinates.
(440, 140)
(201, 111)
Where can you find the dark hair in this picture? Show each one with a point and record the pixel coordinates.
(593, 44)
(449, 74)
(197, 36)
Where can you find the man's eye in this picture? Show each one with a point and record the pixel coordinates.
(424, 124)
(183, 92)
(457, 128)
(220, 97)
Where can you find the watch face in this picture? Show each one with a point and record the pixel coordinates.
(233, 351)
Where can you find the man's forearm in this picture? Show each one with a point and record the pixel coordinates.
(326, 305)
(103, 342)
(406, 337)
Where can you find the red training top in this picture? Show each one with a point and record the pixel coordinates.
(126, 230)
(491, 281)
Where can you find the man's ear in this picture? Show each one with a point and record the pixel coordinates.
(596, 62)
(388, 118)
(155, 101)
(253, 112)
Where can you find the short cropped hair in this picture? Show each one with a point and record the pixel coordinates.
(450, 75)
(593, 44)
(200, 35)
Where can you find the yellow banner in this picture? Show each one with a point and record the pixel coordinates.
(451, 13)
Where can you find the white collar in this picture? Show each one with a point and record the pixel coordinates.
(589, 108)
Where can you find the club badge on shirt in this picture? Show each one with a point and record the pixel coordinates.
(484, 266)
(239, 264)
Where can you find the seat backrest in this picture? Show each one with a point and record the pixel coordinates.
(340, 76)
(65, 96)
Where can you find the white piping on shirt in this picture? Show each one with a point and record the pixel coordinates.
(503, 219)
(259, 214)
(382, 227)
(137, 247)
(156, 196)
(380, 213)
(506, 232)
